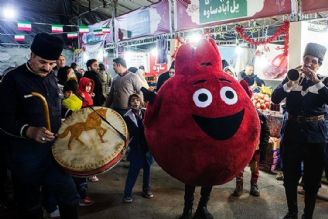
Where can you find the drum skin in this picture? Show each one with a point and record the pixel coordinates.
(86, 145)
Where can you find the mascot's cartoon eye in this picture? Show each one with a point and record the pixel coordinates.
(228, 95)
(202, 98)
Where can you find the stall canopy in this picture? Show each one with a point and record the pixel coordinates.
(43, 14)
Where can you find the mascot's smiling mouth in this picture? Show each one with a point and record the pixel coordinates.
(220, 128)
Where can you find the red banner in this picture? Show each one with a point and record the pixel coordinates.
(188, 12)
(314, 5)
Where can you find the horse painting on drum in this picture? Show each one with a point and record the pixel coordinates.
(93, 121)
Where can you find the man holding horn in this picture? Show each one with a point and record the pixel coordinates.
(304, 137)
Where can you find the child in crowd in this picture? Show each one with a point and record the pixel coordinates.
(139, 154)
(254, 164)
(86, 87)
(71, 101)
(64, 74)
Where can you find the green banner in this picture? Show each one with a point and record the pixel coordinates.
(219, 10)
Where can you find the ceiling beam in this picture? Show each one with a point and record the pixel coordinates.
(123, 6)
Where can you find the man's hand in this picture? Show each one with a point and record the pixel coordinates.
(39, 134)
(312, 75)
(292, 83)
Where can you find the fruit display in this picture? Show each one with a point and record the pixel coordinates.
(266, 90)
(261, 101)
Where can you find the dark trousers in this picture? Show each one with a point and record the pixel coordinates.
(326, 161)
(312, 155)
(254, 166)
(30, 176)
(81, 186)
(133, 173)
(205, 193)
(3, 168)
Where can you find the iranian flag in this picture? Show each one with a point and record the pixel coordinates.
(106, 30)
(98, 32)
(24, 26)
(84, 29)
(20, 37)
(72, 35)
(56, 28)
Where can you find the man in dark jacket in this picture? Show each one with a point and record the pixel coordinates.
(93, 68)
(165, 76)
(31, 136)
(305, 133)
(251, 78)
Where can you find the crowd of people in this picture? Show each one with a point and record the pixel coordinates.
(26, 139)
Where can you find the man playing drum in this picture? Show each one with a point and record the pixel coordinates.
(30, 143)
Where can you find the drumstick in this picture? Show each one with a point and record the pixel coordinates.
(44, 106)
(105, 120)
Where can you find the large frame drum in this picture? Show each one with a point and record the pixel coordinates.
(86, 145)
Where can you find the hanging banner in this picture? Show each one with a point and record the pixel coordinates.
(314, 5)
(198, 13)
(270, 62)
(156, 68)
(93, 51)
(146, 21)
(96, 34)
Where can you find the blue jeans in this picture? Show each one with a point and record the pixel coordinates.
(133, 175)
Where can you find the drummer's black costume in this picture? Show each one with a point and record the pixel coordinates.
(304, 136)
(32, 163)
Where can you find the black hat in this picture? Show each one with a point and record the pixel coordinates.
(316, 50)
(47, 46)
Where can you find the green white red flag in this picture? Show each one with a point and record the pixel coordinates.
(83, 29)
(24, 26)
(72, 35)
(20, 37)
(98, 32)
(56, 28)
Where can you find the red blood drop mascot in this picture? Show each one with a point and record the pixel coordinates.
(202, 127)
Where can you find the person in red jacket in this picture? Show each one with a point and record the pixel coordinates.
(86, 87)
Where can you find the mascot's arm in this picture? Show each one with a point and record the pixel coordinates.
(149, 96)
(244, 84)
(152, 107)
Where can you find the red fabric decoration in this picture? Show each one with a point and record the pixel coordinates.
(202, 127)
(283, 29)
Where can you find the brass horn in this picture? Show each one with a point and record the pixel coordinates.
(293, 75)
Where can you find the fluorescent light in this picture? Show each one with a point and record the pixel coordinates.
(9, 12)
(239, 50)
(194, 38)
(154, 52)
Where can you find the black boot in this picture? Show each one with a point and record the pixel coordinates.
(188, 202)
(202, 212)
(291, 215)
(239, 188)
(187, 214)
(254, 190)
